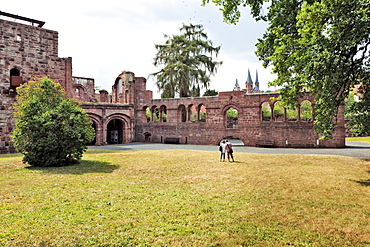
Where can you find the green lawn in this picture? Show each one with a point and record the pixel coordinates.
(186, 198)
(358, 139)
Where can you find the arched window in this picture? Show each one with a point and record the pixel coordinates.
(147, 114)
(14, 72)
(266, 111)
(202, 113)
(163, 114)
(279, 112)
(306, 111)
(15, 78)
(192, 113)
(155, 114)
(231, 118)
(291, 114)
(182, 110)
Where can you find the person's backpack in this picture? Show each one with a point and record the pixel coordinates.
(220, 148)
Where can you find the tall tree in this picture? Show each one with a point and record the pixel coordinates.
(188, 60)
(320, 46)
(51, 130)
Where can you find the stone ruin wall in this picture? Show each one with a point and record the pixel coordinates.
(250, 127)
(26, 51)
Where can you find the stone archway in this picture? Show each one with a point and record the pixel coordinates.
(236, 141)
(115, 131)
(95, 129)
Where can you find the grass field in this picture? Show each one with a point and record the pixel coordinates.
(358, 139)
(186, 198)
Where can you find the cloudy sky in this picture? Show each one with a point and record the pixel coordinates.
(107, 37)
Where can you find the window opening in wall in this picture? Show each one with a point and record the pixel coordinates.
(15, 78)
(291, 114)
(183, 113)
(192, 113)
(266, 111)
(19, 37)
(278, 112)
(147, 114)
(202, 113)
(155, 113)
(14, 72)
(163, 114)
(306, 111)
(231, 118)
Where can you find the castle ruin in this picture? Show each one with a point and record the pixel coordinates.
(130, 114)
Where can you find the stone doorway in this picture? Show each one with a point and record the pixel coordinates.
(115, 133)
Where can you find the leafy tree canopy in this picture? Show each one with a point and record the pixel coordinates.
(320, 46)
(210, 92)
(188, 62)
(51, 130)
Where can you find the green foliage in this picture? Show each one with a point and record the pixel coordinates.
(266, 112)
(358, 112)
(313, 46)
(188, 62)
(306, 110)
(210, 92)
(203, 116)
(292, 114)
(51, 130)
(147, 114)
(279, 108)
(232, 113)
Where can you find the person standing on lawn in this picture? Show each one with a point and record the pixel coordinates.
(229, 150)
(222, 150)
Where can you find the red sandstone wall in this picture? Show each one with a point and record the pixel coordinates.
(250, 127)
(32, 51)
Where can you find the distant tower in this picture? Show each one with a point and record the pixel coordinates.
(236, 87)
(249, 83)
(256, 88)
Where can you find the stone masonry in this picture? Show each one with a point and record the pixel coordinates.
(130, 113)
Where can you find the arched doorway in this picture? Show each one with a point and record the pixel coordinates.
(115, 132)
(94, 126)
(147, 136)
(235, 141)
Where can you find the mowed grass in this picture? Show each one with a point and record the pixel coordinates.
(358, 139)
(186, 198)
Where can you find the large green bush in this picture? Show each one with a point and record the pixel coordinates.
(51, 130)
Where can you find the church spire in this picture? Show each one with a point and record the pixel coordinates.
(256, 88)
(236, 87)
(249, 83)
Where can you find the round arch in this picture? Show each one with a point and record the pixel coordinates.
(235, 106)
(202, 112)
(182, 113)
(235, 140)
(118, 129)
(97, 125)
(231, 122)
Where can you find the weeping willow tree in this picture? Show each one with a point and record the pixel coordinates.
(188, 60)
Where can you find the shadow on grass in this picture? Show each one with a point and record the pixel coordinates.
(85, 166)
(364, 182)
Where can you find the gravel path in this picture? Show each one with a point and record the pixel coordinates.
(359, 150)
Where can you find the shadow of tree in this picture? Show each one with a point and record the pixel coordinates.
(85, 166)
(364, 182)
